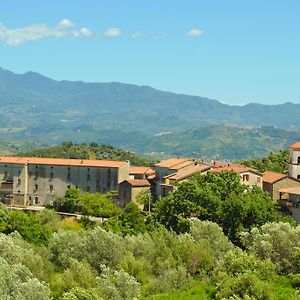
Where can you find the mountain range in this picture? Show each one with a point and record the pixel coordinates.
(35, 108)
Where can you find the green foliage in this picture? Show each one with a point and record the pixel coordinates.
(145, 198)
(199, 291)
(73, 278)
(17, 283)
(276, 162)
(31, 227)
(98, 205)
(244, 286)
(89, 151)
(219, 198)
(278, 242)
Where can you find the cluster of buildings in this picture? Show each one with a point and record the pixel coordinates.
(36, 181)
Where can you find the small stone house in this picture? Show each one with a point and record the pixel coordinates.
(274, 182)
(129, 189)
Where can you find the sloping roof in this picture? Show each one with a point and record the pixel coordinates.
(141, 170)
(272, 177)
(235, 168)
(174, 163)
(295, 145)
(186, 172)
(138, 182)
(61, 161)
(291, 190)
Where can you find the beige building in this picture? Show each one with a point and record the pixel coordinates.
(249, 176)
(294, 160)
(36, 181)
(168, 167)
(274, 182)
(129, 189)
(182, 174)
(141, 173)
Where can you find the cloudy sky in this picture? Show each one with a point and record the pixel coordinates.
(235, 51)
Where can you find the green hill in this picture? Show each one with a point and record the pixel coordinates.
(88, 151)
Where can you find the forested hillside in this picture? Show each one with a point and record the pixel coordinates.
(277, 162)
(88, 151)
(138, 118)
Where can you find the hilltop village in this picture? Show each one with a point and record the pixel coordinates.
(31, 181)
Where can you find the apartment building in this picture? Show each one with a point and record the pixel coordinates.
(36, 181)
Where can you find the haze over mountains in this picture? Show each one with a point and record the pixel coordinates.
(141, 118)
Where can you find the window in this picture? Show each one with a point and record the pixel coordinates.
(36, 174)
(97, 183)
(51, 175)
(36, 187)
(298, 160)
(19, 172)
(258, 179)
(68, 186)
(51, 188)
(88, 177)
(88, 189)
(246, 177)
(298, 177)
(19, 181)
(5, 174)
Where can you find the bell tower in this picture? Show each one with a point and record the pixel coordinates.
(294, 160)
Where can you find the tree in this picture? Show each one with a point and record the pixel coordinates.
(68, 203)
(219, 198)
(145, 198)
(278, 242)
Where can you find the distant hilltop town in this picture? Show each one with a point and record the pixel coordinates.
(31, 181)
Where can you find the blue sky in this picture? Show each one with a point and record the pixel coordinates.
(235, 51)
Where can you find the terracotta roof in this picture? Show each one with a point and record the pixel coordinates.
(141, 170)
(295, 145)
(61, 161)
(235, 168)
(186, 172)
(272, 177)
(174, 163)
(138, 182)
(291, 190)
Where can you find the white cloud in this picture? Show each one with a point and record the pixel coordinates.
(18, 36)
(113, 32)
(66, 23)
(194, 32)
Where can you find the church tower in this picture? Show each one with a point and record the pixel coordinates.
(294, 160)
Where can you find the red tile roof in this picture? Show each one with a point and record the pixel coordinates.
(141, 170)
(187, 171)
(295, 145)
(61, 161)
(235, 168)
(139, 182)
(174, 163)
(272, 177)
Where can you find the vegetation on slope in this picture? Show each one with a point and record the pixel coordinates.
(130, 256)
(276, 162)
(88, 151)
